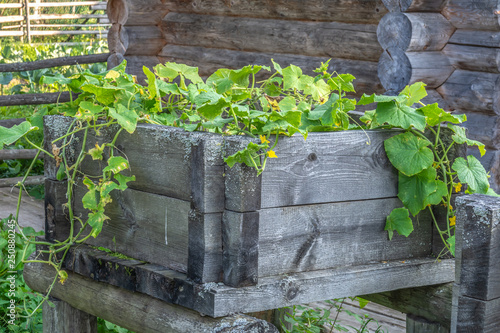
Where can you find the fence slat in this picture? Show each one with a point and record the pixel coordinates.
(65, 4)
(36, 99)
(55, 62)
(11, 33)
(67, 16)
(12, 18)
(18, 154)
(31, 180)
(67, 32)
(10, 5)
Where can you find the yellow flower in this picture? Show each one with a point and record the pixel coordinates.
(272, 154)
(452, 221)
(458, 187)
(263, 139)
(275, 105)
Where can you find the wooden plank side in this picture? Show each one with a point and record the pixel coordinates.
(473, 15)
(329, 167)
(314, 237)
(144, 40)
(475, 315)
(349, 11)
(476, 38)
(210, 59)
(144, 226)
(478, 246)
(132, 13)
(62, 317)
(326, 39)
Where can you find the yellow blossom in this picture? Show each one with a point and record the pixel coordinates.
(452, 221)
(263, 139)
(458, 187)
(272, 154)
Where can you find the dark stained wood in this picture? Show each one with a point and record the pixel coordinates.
(476, 38)
(143, 12)
(416, 324)
(315, 237)
(8, 123)
(396, 68)
(62, 317)
(135, 311)
(414, 31)
(56, 225)
(135, 66)
(349, 11)
(474, 58)
(144, 40)
(117, 39)
(240, 244)
(21, 154)
(414, 5)
(114, 60)
(54, 62)
(13, 181)
(205, 247)
(36, 99)
(209, 60)
(117, 11)
(473, 15)
(475, 315)
(478, 247)
(467, 90)
(322, 39)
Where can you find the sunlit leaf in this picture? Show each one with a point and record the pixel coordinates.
(471, 171)
(116, 164)
(399, 221)
(409, 153)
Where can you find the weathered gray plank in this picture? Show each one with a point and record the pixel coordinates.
(65, 318)
(217, 300)
(473, 15)
(430, 302)
(209, 60)
(478, 246)
(144, 40)
(135, 311)
(205, 247)
(416, 324)
(414, 5)
(240, 244)
(473, 58)
(315, 237)
(350, 11)
(475, 315)
(129, 12)
(135, 65)
(472, 91)
(56, 225)
(476, 38)
(322, 39)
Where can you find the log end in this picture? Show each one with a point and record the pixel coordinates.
(394, 30)
(394, 69)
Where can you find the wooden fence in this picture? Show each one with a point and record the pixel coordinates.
(31, 21)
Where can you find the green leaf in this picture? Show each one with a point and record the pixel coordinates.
(106, 188)
(291, 77)
(126, 118)
(55, 78)
(171, 70)
(247, 156)
(399, 115)
(61, 172)
(342, 82)
(96, 152)
(210, 104)
(5, 78)
(435, 115)
(277, 67)
(414, 93)
(362, 302)
(11, 135)
(399, 220)
(471, 171)
(153, 89)
(123, 180)
(420, 190)
(320, 110)
(220, 80)
(116, 164)
(90, 108)
(409, 153)
(319, 90)
(366, 99)
(89, 200)
(451, 242)
(461, 138)
(96, 221)
(104, 95)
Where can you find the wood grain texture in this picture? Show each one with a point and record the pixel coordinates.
(56, 224)
(143, 12)
(136, 311)
(472, 91)
(65, 318)
(205, 247)
(217, 300)
(396, 68)
(136, 63)
(349, 11)
(118, 41)
(315, 237)
(114, 60)
(416, 324)
(430, 302)
(473, 15)
(117, 11)
(414, 31)
(146, 40)
(476, 38)
(478, 246)
(37, 99)
(240, 244)
(475, 315)
(209, 60)
(474, 58)
(414, 5)
(322, 39)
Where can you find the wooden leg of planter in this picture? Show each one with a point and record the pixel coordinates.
(65, 318)
(476, 294)
(416, 324)
(275, 317)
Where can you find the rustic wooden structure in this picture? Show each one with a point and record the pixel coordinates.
(451, 45)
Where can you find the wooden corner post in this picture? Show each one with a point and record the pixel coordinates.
(476, 294)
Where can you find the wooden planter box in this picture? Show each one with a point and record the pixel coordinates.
(318, 209)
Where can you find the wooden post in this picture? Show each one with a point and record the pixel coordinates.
(27, 16)
(62, 317)
(476, 294)
(418, 325)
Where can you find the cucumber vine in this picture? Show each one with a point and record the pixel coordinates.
(259, 102)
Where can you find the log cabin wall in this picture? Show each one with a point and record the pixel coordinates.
(451, 45)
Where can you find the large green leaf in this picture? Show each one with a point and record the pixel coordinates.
(399, 115)
(291, 77)
(125, 117)
(104, 95)
(460, 137)
(96, 221)
(152, 87)
(414, 93)
(471, 171)
(11, 135)
(116, 164)
(210, 104)
(420, 190)
(399, 220)
(409, 153)
(171, 70)
(435, 115)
